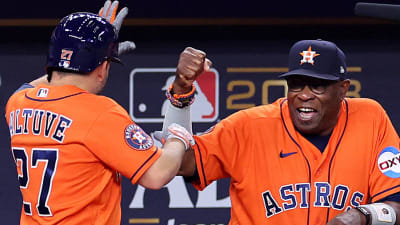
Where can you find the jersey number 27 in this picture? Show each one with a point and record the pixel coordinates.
(50, 158)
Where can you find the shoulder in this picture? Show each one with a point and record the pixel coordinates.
(102, 104)
(20, 92)
(363, 103)
(365, 107)
(24, 87)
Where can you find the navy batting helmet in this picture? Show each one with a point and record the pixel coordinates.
(80, 43)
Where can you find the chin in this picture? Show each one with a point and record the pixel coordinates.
(308, 128)
(309, 131)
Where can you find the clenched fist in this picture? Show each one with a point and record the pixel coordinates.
(192, 63)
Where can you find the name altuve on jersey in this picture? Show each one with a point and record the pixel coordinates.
(38, 122)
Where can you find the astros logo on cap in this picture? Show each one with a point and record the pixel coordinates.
(137, 138)
(389, 162)
(308, 56)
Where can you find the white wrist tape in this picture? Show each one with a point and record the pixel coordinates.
(381, 214)
(177, 115)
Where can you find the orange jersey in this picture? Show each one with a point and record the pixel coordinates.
(279, 177)
(70, 148)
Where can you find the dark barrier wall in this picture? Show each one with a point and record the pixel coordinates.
(244, 75)
(47, 9)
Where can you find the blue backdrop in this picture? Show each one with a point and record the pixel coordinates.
(247, 56)
(244, 75)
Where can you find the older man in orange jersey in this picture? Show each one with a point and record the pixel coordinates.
(315, 157)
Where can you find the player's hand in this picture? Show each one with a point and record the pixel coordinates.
(109, 12)
(39, 81)
(126, 47)
(350, 217)
(158, 135)
(175, 131)
(192, 63)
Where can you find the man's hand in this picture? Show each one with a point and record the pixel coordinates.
(175, 131)
(158, 135)
(39, 81)
(351, 217)
(192, 63)
(109, 12)
(179, 132)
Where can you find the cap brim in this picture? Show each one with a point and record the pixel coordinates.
(116, 60)
(309, 73)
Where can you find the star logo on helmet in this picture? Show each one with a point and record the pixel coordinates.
(308, 56)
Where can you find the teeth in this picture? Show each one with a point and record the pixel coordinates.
(306, 110)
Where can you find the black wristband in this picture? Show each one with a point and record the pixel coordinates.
(365, 213)
(182, 100)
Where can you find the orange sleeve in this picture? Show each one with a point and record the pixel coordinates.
(385, 173)
(121, 144)
(217, 153)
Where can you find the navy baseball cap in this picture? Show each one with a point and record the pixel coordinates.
(317, 58)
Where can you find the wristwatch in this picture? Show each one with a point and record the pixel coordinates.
(365, 213)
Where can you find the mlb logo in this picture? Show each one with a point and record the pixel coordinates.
(43, 92)
(64, 63)
(65, 58)
(148, 103)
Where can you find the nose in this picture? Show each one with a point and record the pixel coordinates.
(306, 94)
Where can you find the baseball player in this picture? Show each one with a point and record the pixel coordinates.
(315, 157)
(70, 145)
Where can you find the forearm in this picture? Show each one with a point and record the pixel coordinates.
(350, 217)
(180, 116)
(39, 81)
(166, 167)
(188, 165)
(396, 207)
(355, 217)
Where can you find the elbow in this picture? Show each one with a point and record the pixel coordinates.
(162, 171)
(155, 185)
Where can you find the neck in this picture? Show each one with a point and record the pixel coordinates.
(82, 81)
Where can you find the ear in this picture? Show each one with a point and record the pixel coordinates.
(102, 71)
(344, 87)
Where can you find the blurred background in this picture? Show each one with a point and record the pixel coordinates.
(248, 42)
